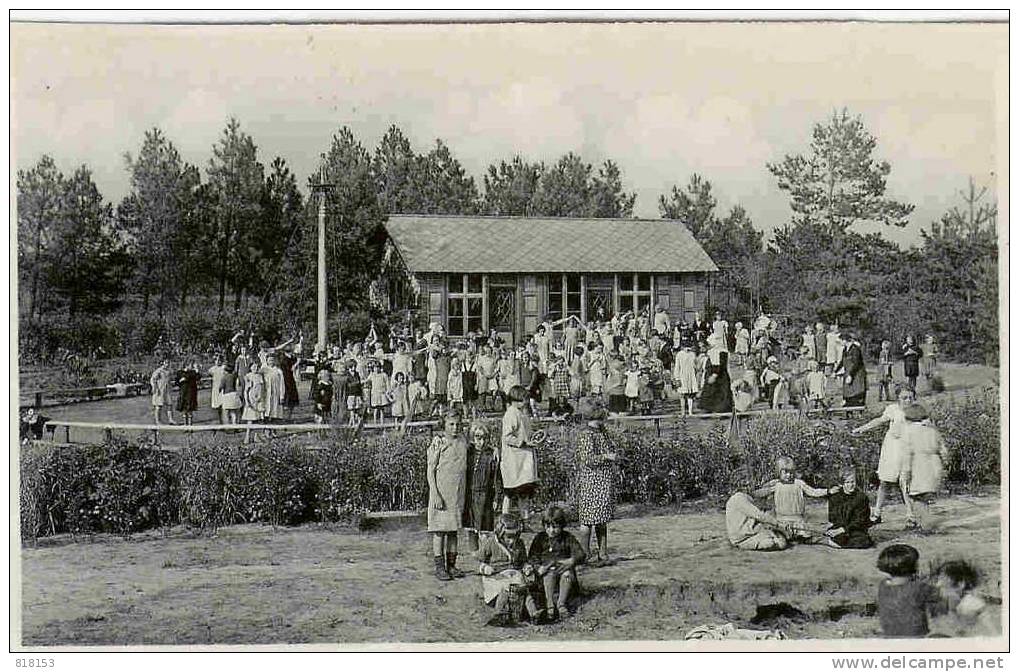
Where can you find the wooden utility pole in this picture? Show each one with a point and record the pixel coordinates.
(322, 189)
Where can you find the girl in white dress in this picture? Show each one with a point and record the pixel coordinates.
(890, 466)
(684, 372)
(254, 397)
(596, 370)
(517, 462)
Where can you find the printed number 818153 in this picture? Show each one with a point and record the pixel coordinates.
(35, 662)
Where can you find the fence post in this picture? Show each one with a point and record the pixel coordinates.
(68, 433)
(658, 427)
(38, 400)
(109, 434)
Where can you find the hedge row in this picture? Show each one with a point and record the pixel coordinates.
(122, 488)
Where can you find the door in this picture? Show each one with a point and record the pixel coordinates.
(502, 304)
(599, 305)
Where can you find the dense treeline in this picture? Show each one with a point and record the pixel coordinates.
(233, 245)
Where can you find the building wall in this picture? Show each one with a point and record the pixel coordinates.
(681, 294)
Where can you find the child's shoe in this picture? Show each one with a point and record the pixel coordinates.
(440, 569)
(451, 569)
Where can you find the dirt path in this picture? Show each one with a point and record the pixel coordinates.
(253, 584)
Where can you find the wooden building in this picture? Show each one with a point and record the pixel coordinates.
(475, 273)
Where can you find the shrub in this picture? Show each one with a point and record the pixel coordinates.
(123, 488)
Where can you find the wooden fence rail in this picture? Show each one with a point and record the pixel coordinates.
(188, 430)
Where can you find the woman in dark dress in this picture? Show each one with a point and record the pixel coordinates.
(287, 362)
(854, 387)
(911, 362)
(716, 396)
(849, 514)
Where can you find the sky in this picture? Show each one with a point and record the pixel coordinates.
(663, 100)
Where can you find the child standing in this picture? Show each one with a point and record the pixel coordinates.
(924, 454)
(742, 343)
(254, 397)
(929, 353)
(354, 393)
(559, 389)
(482, 484)
(632, 389)
(890, 465)
(400, 394)
(555, 554)
(645, 386)
(771, 379)
(615, 386)
(816, 385)
(902, 599)
(684, 372)
(159, 383)
(911, 362)
(578, 372)
(455, 384)
(323, 396)
(884, 372)
(596, 369)
(446, 472)
(187, 392)
(378, 387)
(517, 462)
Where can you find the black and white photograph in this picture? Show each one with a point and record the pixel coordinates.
(515, 333)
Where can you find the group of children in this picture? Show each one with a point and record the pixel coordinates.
(913, 457)
(253, 385)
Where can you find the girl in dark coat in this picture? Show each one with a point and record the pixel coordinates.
(849, 514)
(483, 484)
(187, 392)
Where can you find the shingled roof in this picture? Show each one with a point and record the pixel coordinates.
(478, 244)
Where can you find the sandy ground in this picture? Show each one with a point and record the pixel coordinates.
(259, 585)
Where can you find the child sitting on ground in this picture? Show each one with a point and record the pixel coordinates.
(790, 505)
(501, 560)
(903, 600)
(969, 614)
(849, 514)
(554, 555)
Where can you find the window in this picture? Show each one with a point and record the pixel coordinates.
(688, 299)
(564, 295)
(464, 309)
(635, 292)
(555, 296)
